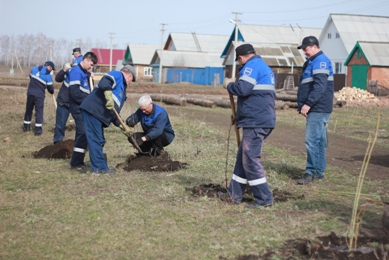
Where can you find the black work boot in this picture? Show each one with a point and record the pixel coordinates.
(38, 131)
(26, 127)
(305, 179)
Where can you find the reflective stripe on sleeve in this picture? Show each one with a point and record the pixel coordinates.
(264, 87)
(248, 79)
(321, 71)
(38, 79)
(74, 82)
(307, 80)
(84, 90)
(239, 179)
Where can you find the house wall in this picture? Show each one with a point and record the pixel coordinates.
(334, 48)
(381, 74)
(354, 61)
(140, 73)
(200, 76)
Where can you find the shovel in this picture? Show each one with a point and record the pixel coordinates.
(131, 137)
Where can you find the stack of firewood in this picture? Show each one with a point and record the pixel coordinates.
(354, 94)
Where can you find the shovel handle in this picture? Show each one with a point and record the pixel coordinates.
(125, 127)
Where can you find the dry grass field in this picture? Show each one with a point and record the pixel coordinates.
(48, 211)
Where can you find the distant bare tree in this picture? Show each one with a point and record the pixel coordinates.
(32, 50)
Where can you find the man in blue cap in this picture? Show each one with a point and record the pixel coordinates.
(40, 80)
(77, 56)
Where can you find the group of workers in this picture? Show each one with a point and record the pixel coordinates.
(255, 115)
(95, 108)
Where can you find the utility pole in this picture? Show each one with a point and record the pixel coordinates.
(50, 53)
(235, 44)
(160, 56)
(110, 52)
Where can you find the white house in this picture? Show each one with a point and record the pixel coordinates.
(342, 31)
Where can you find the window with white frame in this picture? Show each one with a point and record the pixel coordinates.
(148, 71)
(338, 67)
(337, 35)
(329, 35)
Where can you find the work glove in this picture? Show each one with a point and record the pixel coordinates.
(126, 131)
(108, 96)
(130, 121)
(66, 66)
(226, 82)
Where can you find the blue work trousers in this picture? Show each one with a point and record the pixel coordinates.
(62, 115)
(38, 103)
(94, 132)
(316, 142)
(80, 143)
(248, 168)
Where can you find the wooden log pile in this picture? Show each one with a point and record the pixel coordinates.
(353, 94)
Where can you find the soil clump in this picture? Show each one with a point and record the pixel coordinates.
(60, 150)
(144, 162)
(211, 190)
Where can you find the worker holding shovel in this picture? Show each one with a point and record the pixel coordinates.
(256, 116)
(99, 111)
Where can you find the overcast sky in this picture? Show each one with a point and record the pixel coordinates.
(140, 21)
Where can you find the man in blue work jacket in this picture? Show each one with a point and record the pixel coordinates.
(315, 98)
(157, 129)
(79, 89)
(97, 114)
(256, 116)
(62, 111)
(40, 79)
(77, 56)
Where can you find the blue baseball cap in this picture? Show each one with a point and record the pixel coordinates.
(50, 63)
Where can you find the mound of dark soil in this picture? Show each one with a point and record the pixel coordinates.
(334, 247)
(60, 150)
(327, 247)
(151, 164)
(211, 190)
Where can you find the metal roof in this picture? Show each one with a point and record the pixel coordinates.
(187, 59)
(141, 54)
(376, 53)
(275, 55)
(353, 28)
(276, 34)
(196, 42)
(269, 34)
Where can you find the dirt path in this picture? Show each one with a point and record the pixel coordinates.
(343, 152)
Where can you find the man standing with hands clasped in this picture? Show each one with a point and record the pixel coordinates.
(315, 102)
(96, 110)
(256, 116)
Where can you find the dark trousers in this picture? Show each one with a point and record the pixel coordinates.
(62, 115)
(38, 103)
(80, 143)
(94, 132)
(157, 144)
(248, 168)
